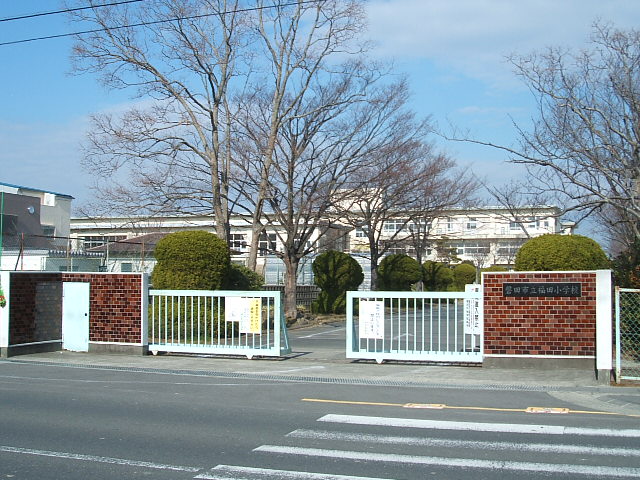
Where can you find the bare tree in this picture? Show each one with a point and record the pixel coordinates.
(521, 207)
(299, 43)
(393, 201)
(170, 152)
(584, 145)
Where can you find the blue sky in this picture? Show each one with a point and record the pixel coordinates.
(452, 50)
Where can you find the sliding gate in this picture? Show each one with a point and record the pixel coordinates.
(422, 326)
(249, 323)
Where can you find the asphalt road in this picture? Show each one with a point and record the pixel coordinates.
(65, 422)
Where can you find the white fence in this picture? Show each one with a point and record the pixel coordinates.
(420, 326)
(249, 323)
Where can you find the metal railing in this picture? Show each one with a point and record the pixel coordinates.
(419, 326)
(627, 334)
(249, 323)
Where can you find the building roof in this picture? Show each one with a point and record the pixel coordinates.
(20, 187)
(132, 245)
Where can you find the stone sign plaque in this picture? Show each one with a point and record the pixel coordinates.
(542, 289)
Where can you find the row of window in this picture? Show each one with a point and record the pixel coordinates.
(449, 224)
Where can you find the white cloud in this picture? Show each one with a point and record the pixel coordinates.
(475, 36)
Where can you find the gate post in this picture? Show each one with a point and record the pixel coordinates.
(604, 327)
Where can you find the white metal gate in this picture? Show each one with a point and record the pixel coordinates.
(627, 334)
(249, 323)
(424, 326)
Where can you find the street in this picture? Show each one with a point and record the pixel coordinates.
(77, 423)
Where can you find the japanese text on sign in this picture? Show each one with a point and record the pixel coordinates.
(371, 319)
(246, 311)
(542, 289)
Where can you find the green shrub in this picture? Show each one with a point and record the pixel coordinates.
(463, 274)
(437, 276)
(495, 268)
(398, 272)
(240, 277)
(561, 252)
(335, 273)
(190, 260)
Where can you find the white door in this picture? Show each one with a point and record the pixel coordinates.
(75, 316)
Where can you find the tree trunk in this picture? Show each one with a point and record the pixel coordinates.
(291, 287)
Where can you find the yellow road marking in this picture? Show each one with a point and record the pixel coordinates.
(440, 406)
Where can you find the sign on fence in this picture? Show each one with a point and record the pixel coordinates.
(245, 311)
(371, 324)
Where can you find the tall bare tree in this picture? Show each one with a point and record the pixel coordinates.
(300, 44)
(584, 145)
(393, 200)
(183, 61)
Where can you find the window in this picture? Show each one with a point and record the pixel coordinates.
(267, 243)
(472, 223)
(126, 267)
(100, 240)
(393, 226)
(48, 230)
(513, 225)
(360, 233)
(237, 241)
(450, 224)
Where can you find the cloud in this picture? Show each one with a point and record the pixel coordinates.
(475, 36)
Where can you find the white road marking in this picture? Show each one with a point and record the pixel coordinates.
(326, 332)
(479, 427)
(588, 470)
(445, 443)
(97, 459)
(231, 472)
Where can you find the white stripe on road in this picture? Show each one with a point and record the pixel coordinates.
(231, 472)
(478, 427)
(325, 332)
(97, 459)
(589, 470)
(438, 442)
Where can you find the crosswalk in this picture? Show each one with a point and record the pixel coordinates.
(344, 446)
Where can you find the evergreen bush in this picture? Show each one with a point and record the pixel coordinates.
(335, 273)
(240, 277)
(463, 274)
(398, 272)
(553, 252)
(190, 260)
(437, 276)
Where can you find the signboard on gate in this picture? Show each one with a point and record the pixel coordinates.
(371, 319)
(472, 312)
(246, 311)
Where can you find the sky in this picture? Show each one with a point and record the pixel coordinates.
(453, 52)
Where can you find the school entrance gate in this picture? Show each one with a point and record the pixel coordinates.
(419, 326)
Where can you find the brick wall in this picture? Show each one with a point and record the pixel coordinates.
(36, 307)
(115, 306)
(541, 326)
(115, 302)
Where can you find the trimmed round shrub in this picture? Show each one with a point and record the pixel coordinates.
(437, 276)
(240, 277)
(398, 272)
(554, 252)
(190, 260)
(335, 273)
(463, 274)
(495, 268)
